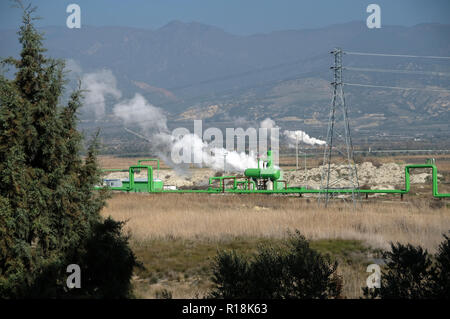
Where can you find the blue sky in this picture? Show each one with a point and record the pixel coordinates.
(235, 16)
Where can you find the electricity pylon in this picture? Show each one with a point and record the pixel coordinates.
(338, 168)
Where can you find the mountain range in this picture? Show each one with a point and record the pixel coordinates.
(198, 71)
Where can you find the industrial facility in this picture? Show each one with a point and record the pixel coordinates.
(264, 179)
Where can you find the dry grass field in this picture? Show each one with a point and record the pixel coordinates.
(177, 235)
(196, 216)
(108, 162)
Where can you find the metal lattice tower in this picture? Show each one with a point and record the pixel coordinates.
(339, 169)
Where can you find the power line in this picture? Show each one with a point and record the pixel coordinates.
(402, 151)
(210, 95)
(398, 71)
(236, 75)
(247, 73)
(348, 84)
(397, 87)
(398, 55)
(243, 74)
(137, 134)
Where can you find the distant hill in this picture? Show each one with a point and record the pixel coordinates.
(193, 70)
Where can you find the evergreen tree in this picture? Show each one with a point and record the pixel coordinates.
(48, 208)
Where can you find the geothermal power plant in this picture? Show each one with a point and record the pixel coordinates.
(264, 179)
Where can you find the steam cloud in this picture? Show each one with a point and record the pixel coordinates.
(294, 136)
(97, 86)
(268, 123)
(137, 112)
(214, 157)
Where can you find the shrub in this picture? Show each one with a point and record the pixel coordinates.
(410, 273)
(407, 275)
(107, 264)
(441, 277)
(291, 271)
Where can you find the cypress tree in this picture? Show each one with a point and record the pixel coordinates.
(48, 206)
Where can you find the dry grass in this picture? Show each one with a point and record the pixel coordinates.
(177, 235)
(108, 162)
(191, 216)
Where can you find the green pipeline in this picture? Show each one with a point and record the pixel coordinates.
(151, 187)
(296, 190)
(408, 168)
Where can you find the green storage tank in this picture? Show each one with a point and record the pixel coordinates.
(268, 173)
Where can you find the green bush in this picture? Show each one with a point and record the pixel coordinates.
(107, 264)
(412, 273)
(407, 275)
(441, 276)
(292, 271)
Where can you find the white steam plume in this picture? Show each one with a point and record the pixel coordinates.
(214, 157)
(137, 112)
(294, 136)
(268, 123)
(98, 85)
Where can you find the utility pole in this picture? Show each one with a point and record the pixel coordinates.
(304, 152)
(296, 151)
(225, 161)
(338, 153)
